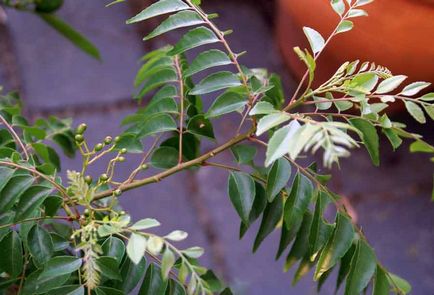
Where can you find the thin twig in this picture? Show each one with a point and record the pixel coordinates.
(15, 136)
(181, 103)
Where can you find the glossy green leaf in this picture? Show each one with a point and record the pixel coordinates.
(48, 154)
(114, 247)
(6, 218)
(136, 247)
(415, 111)
(381, 283)
(31, 200)
(215, 82)
(279, 142)
(370, 138)
(398, 284)
(11, 254)
(156, 124)
(129, 142)
(163, 76)
(277, 178)
(258, 207)
(345, 265)
(159, 8)
(206, 60)
(393, 138)
(194, 38)
(414, 88)
(390, 84)
(69, 33)
(60, 265)
(165, 157)
(263, 108)
(153, 66)
(363, 83)
(244, 154)
(40, 245)
(241, 188)
(35, 284)
(228, 102)
(297, 202)
(181, 19)
(5, 175)
(68, 290)
(163, 105)
(13, 190)
(299, 248)
(337, 245)
(131, 275)
(270, 218)
(270, 121)
(101, 290)
(362, 269)
(199, 125)
(109, 267)
(315, 39)
(345, 26)
(153, 283)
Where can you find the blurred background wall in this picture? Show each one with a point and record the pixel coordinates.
(391, 203)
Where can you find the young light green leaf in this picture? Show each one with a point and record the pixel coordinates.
(159, 8)
(370, 138)
(356, 13)
(228, 102)
(279, 142)
(381, 283)
(241, 189)
(277, 178)
(167, 263)
(429, 109)
(69, 33)
(337, 245)
(414, 88)
(177, 235)
(145, 224)
(11, 254)
(263, 108)
(194, 38)
(415, 111)
(345, 26)
(398, 284)
(40, 245)
(193, 252)
(428, 97)
(136, 247)
(362, 269)
(363, 2)
(315, 39)
(271, 121)
(393, 138)
(155, 245)
(338, 6)
(181, 19)
(390, 84)
(206, 60)
(60, 265)
(215, 82)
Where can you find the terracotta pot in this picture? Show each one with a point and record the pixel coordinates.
(397, 34)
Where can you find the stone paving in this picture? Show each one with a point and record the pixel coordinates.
(392, 203)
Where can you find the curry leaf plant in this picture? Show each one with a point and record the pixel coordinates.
(70, 236)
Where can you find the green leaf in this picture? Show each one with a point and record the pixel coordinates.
(109, 267)
(60, 265)
(101, 290)
(338, 6)
(315, 39)
(241, 189)
(11, 254)
(357, 13)
(130, 142)
(194, 38)
(156, 124)
(68, 290)
(113, 247)
(206, 60)
(414, 88)
(345, 266)
(244, 154)
(258, 207)
(40, 245)
(5, 218)
(428, 97)
(381, 283)
(193, 252)
(228, 102)
(131, 275)
(215, 82)
(263, 108)
(159, 8)
(181, 19)
(390, 84)
(363, 83)
(362, 269)
(34, 284)
(420, 146)
(153, 66)
(165, 157)
(297, 202)
(5, 175)
(145, 224)
(415, 111)
(69, 33)
(200, 126)
(337, 245)
(345, 26)
(299, 248)
(161, 77)
(48, 154)
(370, 138)
(320, 230)
(429, 109)
(136, 247)
(153, 283)
(279, 142)
(13, 190)
(393, 137)
(270, 218)
(30, 201)
(399, 285)
(167, 263)
(270, 121)
(277, 178)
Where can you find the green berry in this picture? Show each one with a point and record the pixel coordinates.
(121, 159)
(81, 128)
(117, 192)
(123, 151)
(79, 138)
(98, 147)
(86, 212)
(144, 167)
(117, 138)
(108, 140)
(88, 179)
(103, 177)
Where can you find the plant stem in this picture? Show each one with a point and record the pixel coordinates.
(15, 136)
(181, 103)
(36, 219)
(158, 177)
